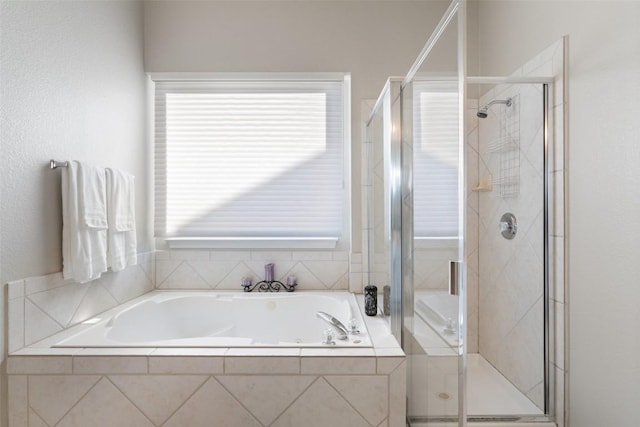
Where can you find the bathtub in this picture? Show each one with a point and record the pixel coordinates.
(439, 310)
(221, 319)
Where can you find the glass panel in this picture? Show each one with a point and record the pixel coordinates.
(433, 231)
(506, 229)
(383, 186)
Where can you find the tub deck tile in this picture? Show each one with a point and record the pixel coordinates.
(110, 365)
(262, 365)
(337, 352)
(263, 351)
(338, 365)
(115, 351)
(188, 364)
(178, 351)
(39, 365)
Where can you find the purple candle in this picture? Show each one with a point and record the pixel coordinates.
(292, 281)
(246, 282)
(268, 272)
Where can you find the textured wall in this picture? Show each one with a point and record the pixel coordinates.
(73, 87)
(603, 231)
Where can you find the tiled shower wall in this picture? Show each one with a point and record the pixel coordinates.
(511, 271)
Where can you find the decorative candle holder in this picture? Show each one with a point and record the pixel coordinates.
(245, 282)
(371, 300)
(269, 284)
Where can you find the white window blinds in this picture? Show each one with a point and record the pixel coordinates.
(436, 157)
(249, 158)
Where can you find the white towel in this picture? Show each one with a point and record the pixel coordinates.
(84, 234)
(121, 218)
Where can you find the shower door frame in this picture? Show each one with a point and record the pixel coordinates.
(456, 12)
(459, 7)
(545, 82)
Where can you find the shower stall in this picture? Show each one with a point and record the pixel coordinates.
(464, 192)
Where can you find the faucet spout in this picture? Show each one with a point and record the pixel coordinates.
(341, 331)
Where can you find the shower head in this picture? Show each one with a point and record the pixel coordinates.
(484, 111)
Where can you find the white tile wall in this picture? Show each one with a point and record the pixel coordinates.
(42, 306)
(204, 269)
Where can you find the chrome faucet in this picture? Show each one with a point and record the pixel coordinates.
(341, 331)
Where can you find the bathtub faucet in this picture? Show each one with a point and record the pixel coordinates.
(341, 331)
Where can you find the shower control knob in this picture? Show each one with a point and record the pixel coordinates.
(508, 226)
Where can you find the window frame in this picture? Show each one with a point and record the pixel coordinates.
(341, 242)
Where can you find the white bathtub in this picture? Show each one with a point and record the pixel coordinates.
(221, 319)
(439, 310)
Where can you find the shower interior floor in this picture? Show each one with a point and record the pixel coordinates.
(489, 393)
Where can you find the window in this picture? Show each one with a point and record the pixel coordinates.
(436, 157)
(251, 159)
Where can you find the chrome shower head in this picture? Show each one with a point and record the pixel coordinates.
(484, 111)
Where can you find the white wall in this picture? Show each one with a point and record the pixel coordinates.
(372, 40)
(603, 206)
(73, 87)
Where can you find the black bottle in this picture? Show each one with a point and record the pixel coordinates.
(371, 300)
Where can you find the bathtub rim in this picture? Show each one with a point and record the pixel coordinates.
(102, 321)
(384, 344)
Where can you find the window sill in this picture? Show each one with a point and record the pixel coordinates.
(251, 242)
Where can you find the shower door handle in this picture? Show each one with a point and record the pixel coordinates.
(454, 278)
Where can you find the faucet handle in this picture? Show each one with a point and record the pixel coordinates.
(353, 326)
(327, 337)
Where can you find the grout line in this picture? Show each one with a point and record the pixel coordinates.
(43, 312)
(84, 297)
(205, 281)
(347, 400)
(106, 289)
(100, 377)
(129, 400)
(233, 396)
(206, 380)
(296, 399)
(159, 285)
(29, 409)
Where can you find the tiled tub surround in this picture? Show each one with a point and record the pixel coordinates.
(209, 387)
(42, 306)
(223, 269)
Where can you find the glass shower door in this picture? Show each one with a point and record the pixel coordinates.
(433, 212)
